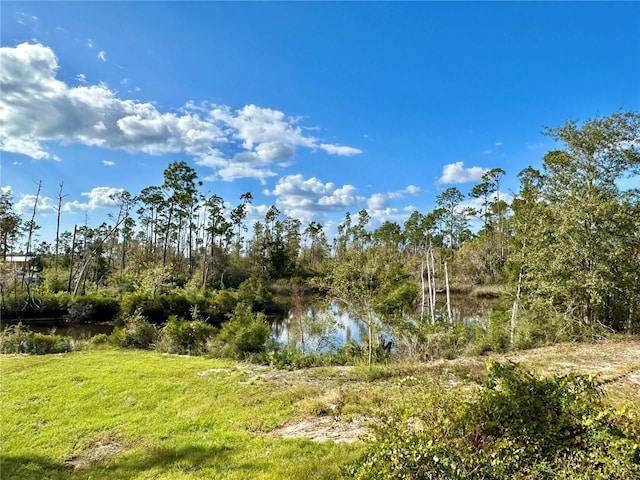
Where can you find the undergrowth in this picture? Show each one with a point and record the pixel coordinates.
(518, 426)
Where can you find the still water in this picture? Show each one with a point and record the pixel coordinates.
(321, 326)
(318, 326)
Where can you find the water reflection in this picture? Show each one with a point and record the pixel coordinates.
(323, 326)
(318, 329)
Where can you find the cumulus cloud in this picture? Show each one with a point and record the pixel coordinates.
(102, 55)
(108, 163)
(25, 205)
(98, 197)
(310, 198)
(36, 107)
(456, 173)
(380, 201)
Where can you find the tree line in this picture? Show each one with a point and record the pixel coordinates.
(566, 250)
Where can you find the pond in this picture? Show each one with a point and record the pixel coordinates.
(321, 326)
(317, 326)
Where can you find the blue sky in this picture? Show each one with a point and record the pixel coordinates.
(317, 108)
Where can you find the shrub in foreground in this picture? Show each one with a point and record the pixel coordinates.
(518, 427)
(137, 333)
(185, 337)
(19, 339)
(244, 334)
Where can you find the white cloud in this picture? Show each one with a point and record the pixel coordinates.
(37, 107)
(311, 199)
(25, 205)
(6, 190)
(411, 190)
(456, 173)
(102, 55)
(340, 150)
(499, 144)
(108, 163)
(98, 197)
(345, 196)
(378, 201)
(378, 217)
(81, 77)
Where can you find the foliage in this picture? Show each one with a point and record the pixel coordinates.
(577, 229)
(185, 337)
(293, 359)
(137, 333)
(245, 333)
(19, 339)
(254, 292)
(443, 341)
(519, 426)
(568, 245)
(93, 308)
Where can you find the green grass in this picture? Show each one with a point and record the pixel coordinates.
(133, 414)
(161, 418)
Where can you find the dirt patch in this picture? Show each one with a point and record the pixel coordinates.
(325, 429)
(94, 453)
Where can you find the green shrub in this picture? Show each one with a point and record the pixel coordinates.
(14, 339)
(518, 427)
(245, 333)
(221, 306)
(99, 339)
(293, 359)
(117, 337)
(138, 332)
(93, 308)
(494, 335)
(19, 339)
(55, 281)
(185, 337)
(443, 340)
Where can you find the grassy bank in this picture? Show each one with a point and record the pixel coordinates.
(130, 414)
(112, 414)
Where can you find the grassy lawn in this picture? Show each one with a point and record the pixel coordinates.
(114, 414)
(127, 414)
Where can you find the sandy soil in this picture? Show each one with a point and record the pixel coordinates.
(615, 362)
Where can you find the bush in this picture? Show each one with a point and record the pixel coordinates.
(245, 333)
(19, 339)
(493, 336)
(293, 359)
(137, 332)
(99, 339)
(520, 426)
(185, 337)
(93, 308)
